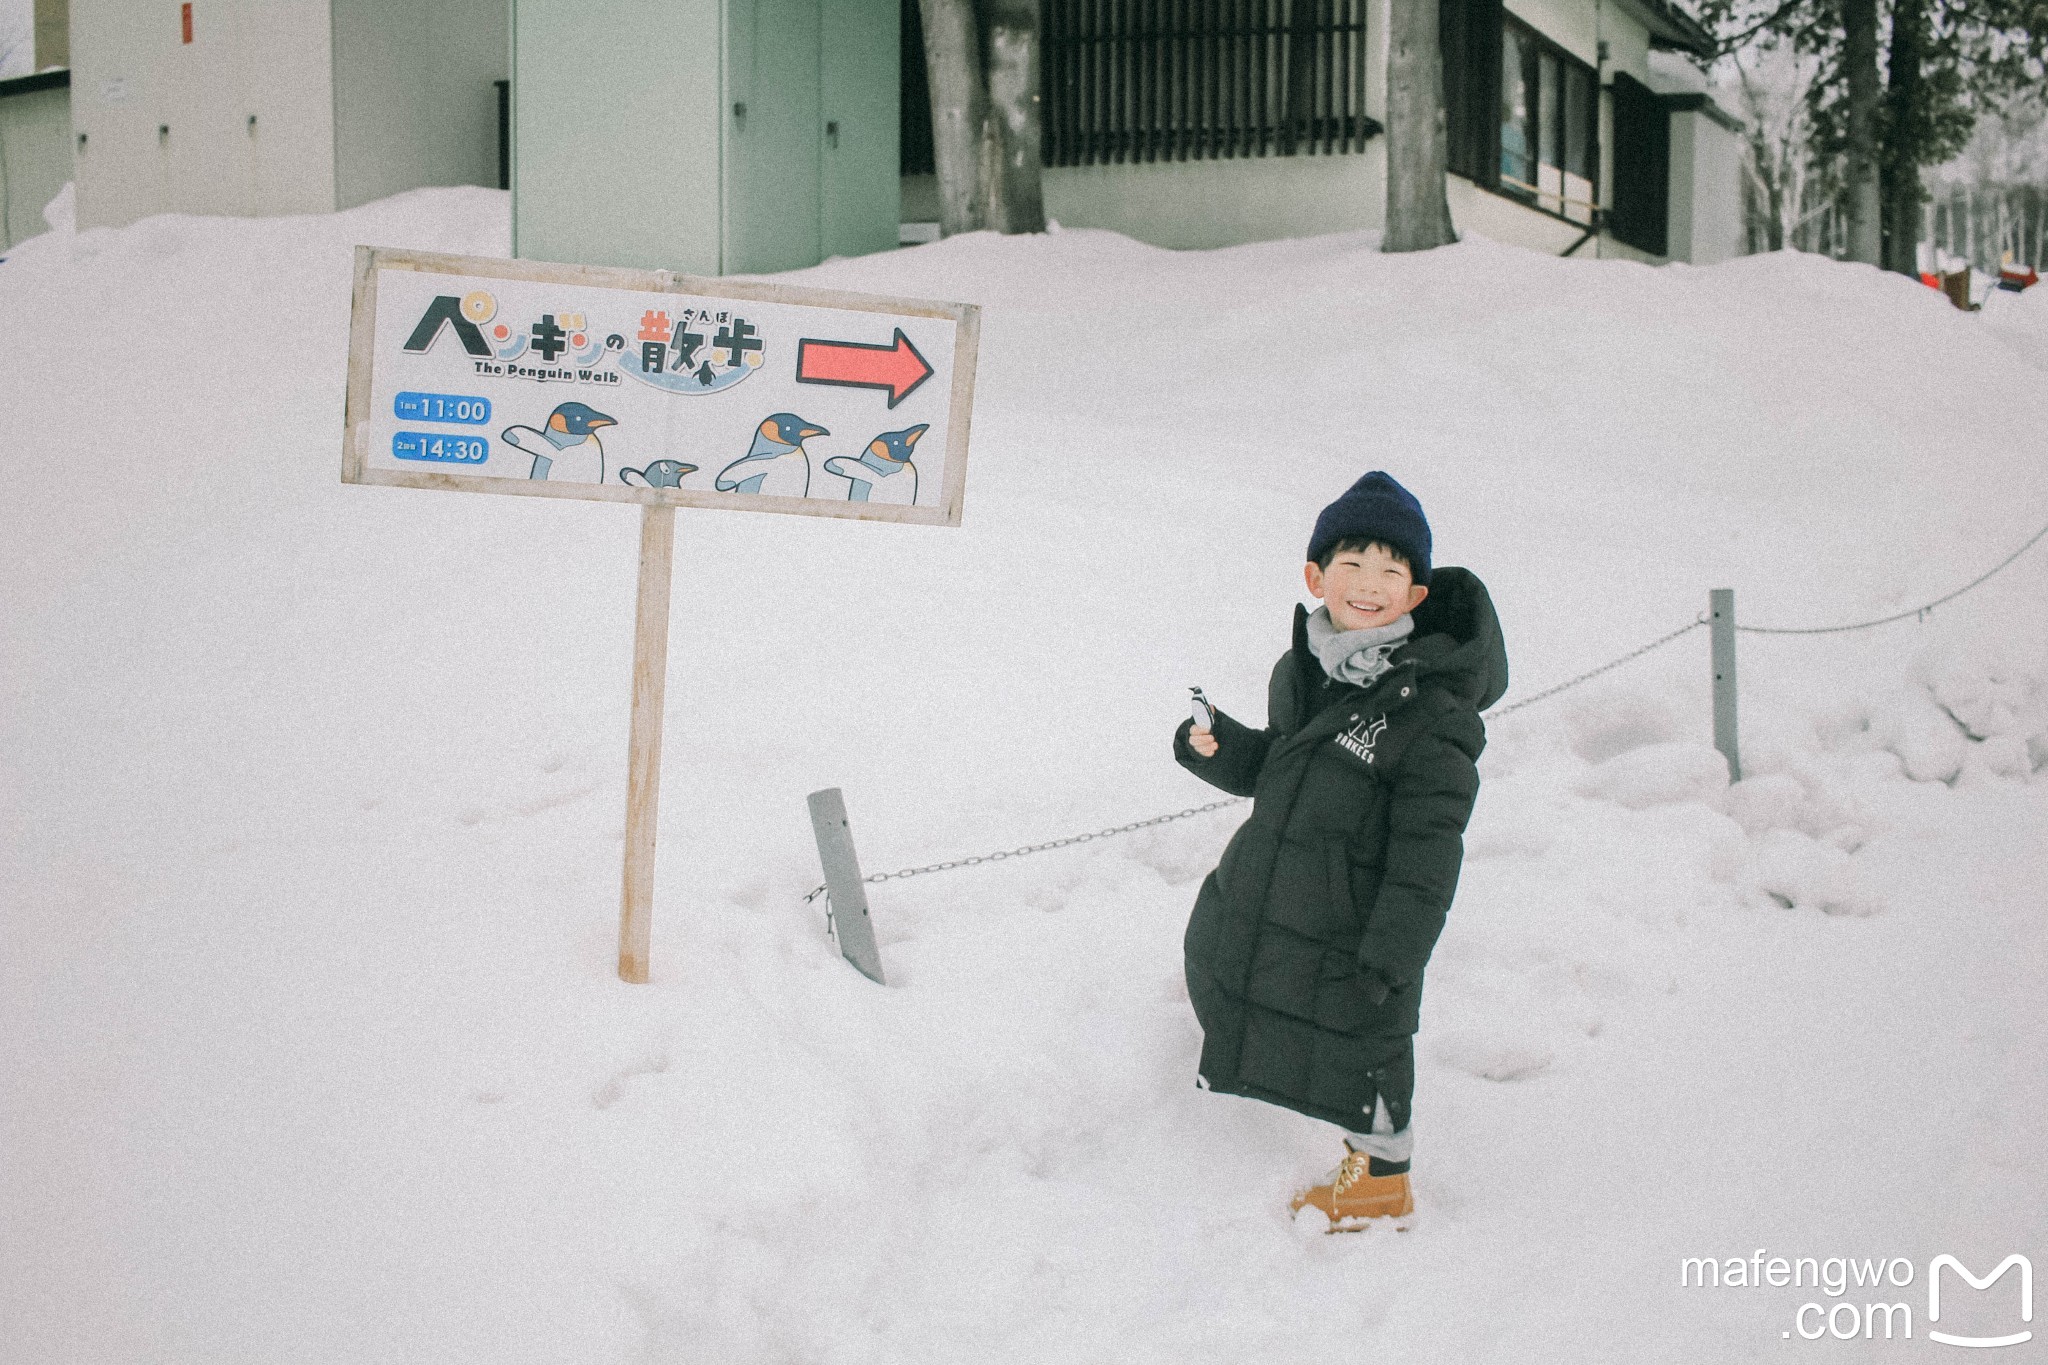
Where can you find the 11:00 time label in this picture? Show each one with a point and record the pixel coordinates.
(441, 407)
(440, 448)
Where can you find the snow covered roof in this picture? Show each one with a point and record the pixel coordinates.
(1670, 25)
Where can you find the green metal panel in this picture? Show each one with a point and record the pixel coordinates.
(35, 150)
(616, 117)
(773, 135)
(860, 82)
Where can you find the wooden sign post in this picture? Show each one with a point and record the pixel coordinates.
(643, 746)
(499, 376)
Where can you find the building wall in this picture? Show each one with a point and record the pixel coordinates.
(166, 125)
(1679, 203)
(1573, 25)
(1503, 219)
(35, 159)
(287, 76)
(616, 144)
(692, 135)
(414, 102)
(1706, 189)
(1194, 204)
(862, 90)
(1199, 204)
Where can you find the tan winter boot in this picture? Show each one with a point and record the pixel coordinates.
(1352, 1195)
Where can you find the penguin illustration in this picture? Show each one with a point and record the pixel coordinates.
(883, 472)
(659, 474)
(777, 464)
(568, 449)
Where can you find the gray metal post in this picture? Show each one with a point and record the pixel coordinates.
(1721, 616)
(846, 894)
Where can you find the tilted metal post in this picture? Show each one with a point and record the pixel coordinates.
(846, 894)
(1721, 616)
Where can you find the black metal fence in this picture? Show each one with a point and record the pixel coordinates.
(1174, 80)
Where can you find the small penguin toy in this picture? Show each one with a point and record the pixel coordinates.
(567, 448)
(777, 463)
(659, 474)
(883, 472)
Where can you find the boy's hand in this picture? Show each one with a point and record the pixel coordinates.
(1202, 742)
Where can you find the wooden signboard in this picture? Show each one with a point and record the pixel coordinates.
(503, 376)
(487, 375)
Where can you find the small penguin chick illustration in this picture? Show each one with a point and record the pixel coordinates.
(777, 463)
(567, 448)
(658, 474)
(883, 472)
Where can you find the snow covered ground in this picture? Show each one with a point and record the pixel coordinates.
(311, 800)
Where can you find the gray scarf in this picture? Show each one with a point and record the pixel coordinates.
(1357, 657)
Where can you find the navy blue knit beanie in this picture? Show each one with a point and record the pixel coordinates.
(1376, 508)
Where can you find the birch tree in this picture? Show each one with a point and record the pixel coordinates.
(1946, 63)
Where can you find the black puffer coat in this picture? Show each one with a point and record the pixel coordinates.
(1306, 948)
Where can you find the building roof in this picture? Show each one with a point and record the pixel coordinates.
(1670, 25)
(54, 78)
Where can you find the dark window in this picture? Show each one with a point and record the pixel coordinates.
(1640, 214)
(1517, 82)
(1547, 145)
(1520, 112)
(1581, 125)
(1170, 80)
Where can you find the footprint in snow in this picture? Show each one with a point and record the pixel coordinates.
(1489, 1059)
(614, 1089)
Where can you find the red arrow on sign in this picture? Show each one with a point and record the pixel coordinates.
(896, 366)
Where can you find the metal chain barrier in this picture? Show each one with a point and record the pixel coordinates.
(1496, 714)
(1918, 613)
(1028, 849)
(1593, 673)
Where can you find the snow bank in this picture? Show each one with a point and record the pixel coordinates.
(309, 849)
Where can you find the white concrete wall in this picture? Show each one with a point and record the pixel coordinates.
(1502, 218)
(132, 75)
(1212, 203)
(1221, 203)
(1574, 25)
(413, 99)
(1711, 169)
(35, 159)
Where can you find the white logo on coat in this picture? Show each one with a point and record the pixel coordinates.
(1362, 736)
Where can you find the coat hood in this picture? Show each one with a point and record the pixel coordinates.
(1457, 638)
(1457, 641)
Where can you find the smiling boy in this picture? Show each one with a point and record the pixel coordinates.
(1307, 944)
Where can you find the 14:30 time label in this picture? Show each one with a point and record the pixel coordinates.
(441, 407)
(440, 448)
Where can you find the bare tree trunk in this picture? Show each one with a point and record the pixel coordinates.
(1969, 251)
(986, 129)
(1859, 64)
(1904, 136)
(1016, 183)
(952, 57)
(1418, 211)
